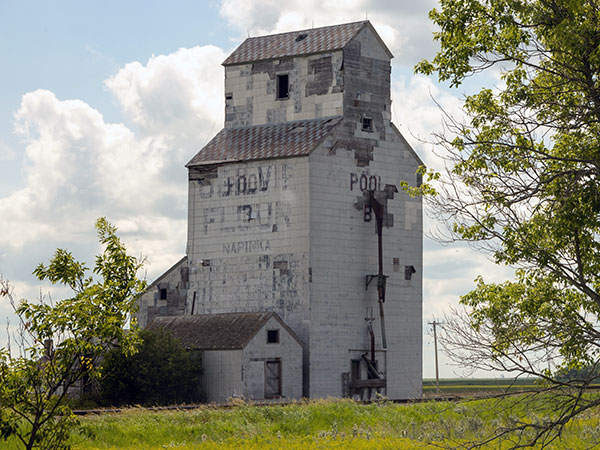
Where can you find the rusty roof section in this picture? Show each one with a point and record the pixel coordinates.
(228, 331)
(280, 140)
(304, 42)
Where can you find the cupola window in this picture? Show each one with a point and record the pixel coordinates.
(283, 86)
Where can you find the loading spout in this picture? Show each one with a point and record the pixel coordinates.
(377, 201)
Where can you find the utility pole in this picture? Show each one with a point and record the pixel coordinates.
(437, 372)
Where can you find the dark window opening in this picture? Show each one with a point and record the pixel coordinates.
(272, 336)
(301, 37)
(355, 369)
(355, 376)
(283, 86)
(163, 293)
(272, 378)
(367, 124)
(228, 96)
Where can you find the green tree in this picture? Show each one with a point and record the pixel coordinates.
(62, 343)
(161, 372)
(523, 183)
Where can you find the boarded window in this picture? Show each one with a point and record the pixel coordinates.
(272, 336)
(283, 86)
(272, 378)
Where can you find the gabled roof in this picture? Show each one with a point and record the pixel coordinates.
(228, 331)
(279, 140)
(164, 275)
(304, 42)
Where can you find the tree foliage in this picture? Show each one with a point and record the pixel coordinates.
(161, 372)
(523, 183)
(62, 343)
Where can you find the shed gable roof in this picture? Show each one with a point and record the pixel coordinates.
(279, 140)
(316, 40)
(228, 331)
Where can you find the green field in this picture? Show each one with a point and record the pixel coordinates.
(325, 424)
(462, 386)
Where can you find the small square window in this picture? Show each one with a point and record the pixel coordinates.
(283, 86)
(163, 293)
(272, 336)
(367, 124)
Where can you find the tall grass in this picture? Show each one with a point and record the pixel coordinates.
(313, 425)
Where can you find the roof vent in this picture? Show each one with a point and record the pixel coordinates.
(298, 128)
(301, 37)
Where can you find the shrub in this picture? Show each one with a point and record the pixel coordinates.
(162, 372)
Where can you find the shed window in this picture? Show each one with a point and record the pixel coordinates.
(283, 86)
(272, 336)
(163, 293)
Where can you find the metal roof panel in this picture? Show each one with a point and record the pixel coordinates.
(304, 42)
(278, 140)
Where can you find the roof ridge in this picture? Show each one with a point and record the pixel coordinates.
(306, 29)
(191, 316)
(282, 45)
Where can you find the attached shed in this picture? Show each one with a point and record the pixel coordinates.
(254, 355)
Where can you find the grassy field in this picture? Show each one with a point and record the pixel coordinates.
(478, 385)
(327, 424)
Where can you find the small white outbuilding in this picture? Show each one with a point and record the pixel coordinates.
(253, 355)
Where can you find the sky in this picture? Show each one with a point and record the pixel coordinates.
(103, 103)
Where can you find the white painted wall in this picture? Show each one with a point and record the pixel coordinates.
(222, 376)
(150, 304)
(236, 263)
(343, 249)
(253, 90)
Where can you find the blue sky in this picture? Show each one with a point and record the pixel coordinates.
(104, 102)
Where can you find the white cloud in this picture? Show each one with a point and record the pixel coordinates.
(418, 106)
(177, 96)
(6, 153)
(404, 26)
(79, 167)
(450, 272)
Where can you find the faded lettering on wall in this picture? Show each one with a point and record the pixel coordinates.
(365, 182)
(244, 181)
(252, 246)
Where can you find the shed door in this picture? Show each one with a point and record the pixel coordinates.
(272, 378)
